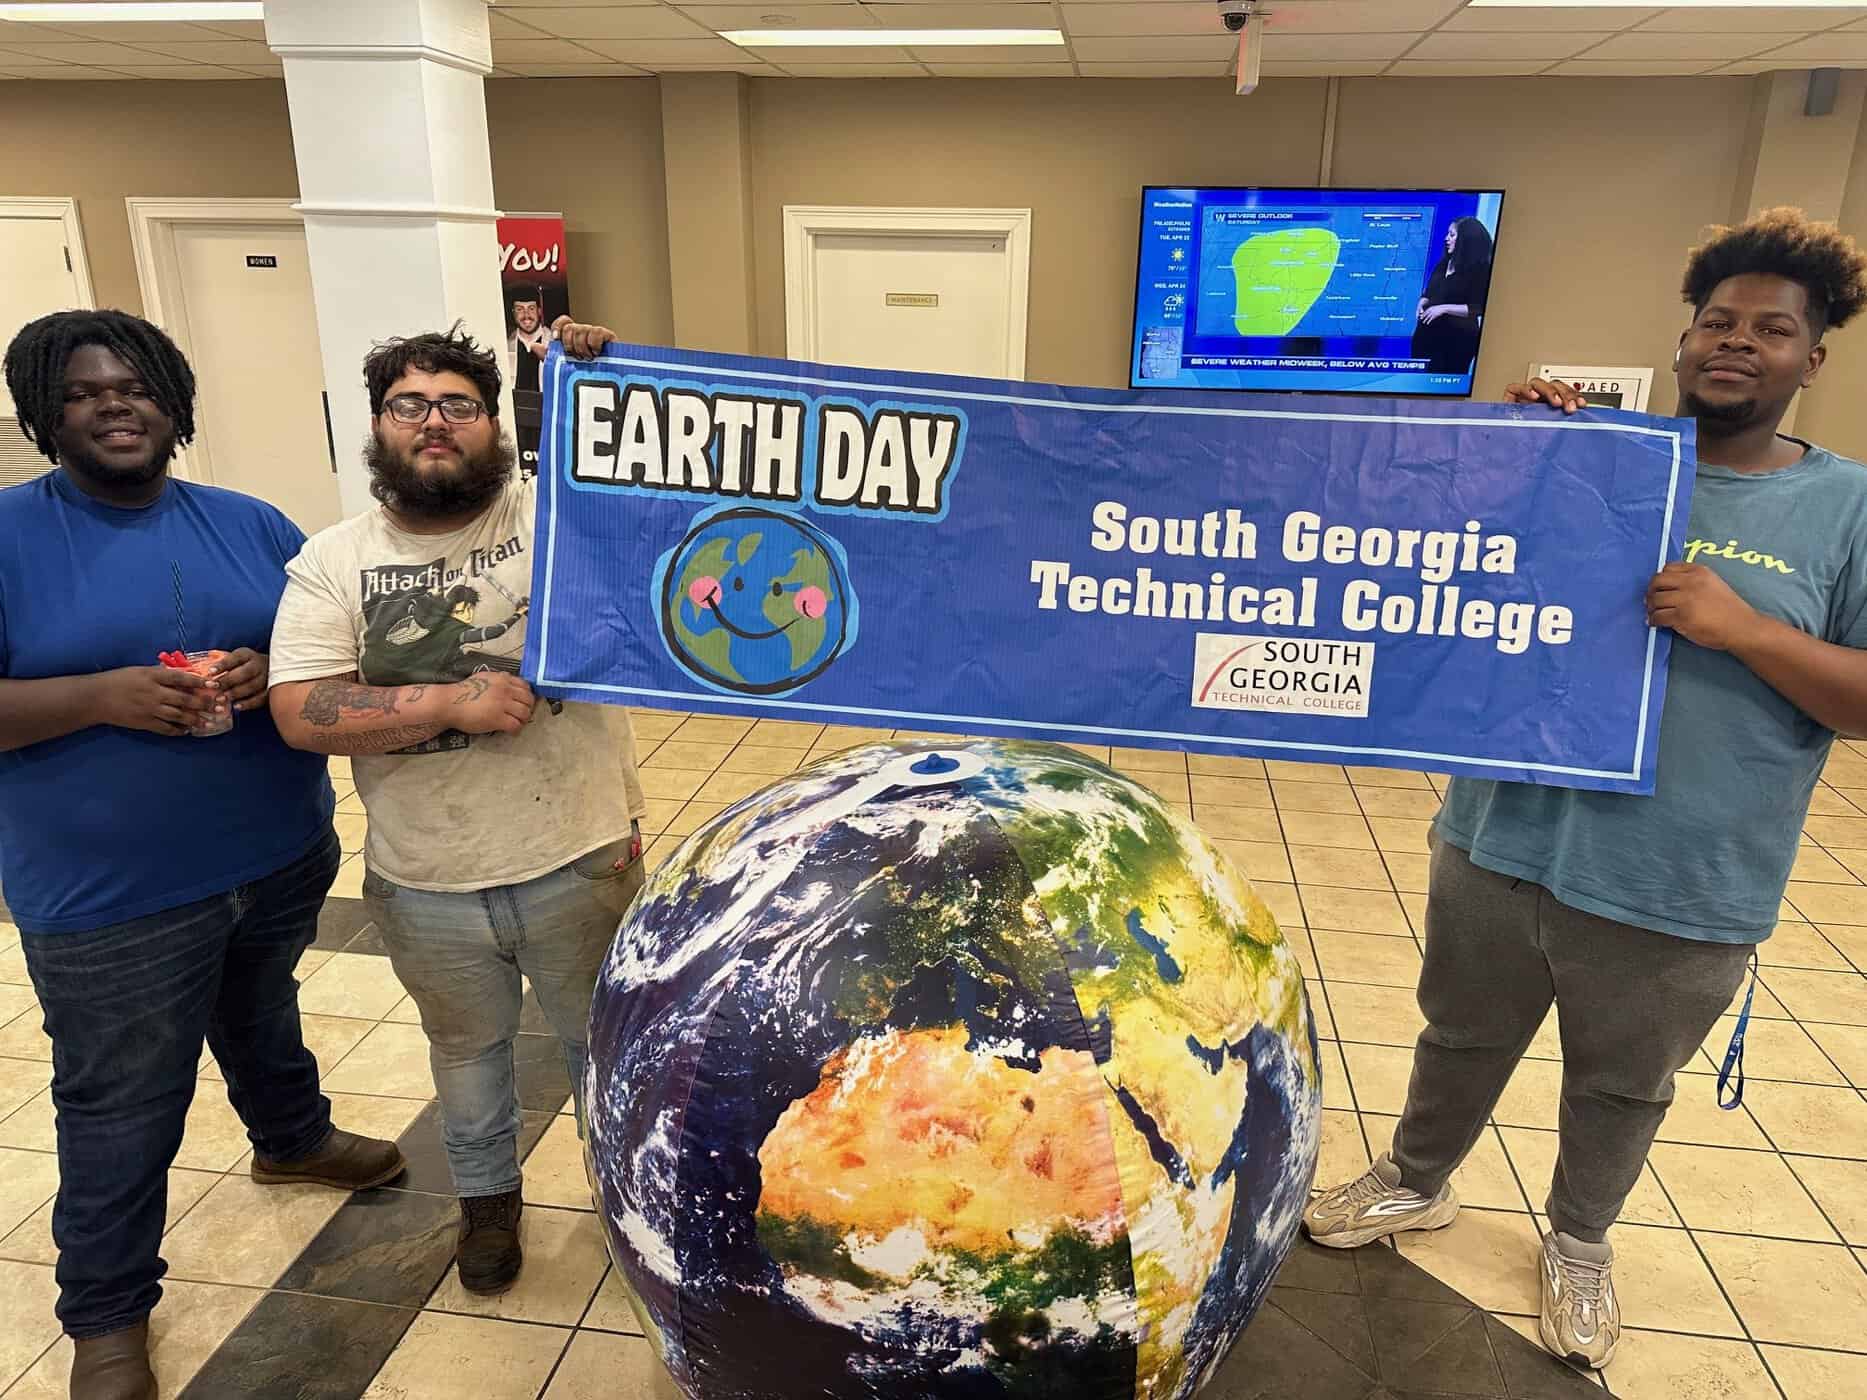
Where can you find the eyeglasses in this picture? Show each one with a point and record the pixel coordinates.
(413, 408)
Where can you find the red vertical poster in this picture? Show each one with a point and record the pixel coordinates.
(536, 293)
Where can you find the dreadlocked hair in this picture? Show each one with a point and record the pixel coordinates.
(1828, 264)
(36, 360)
(437, 352)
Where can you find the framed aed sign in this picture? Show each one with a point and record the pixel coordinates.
(1603, 387)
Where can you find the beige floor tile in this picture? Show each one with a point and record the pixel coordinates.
(20, 1080)
(1319, 1009)
(248, 1234)
(1330, 865)
(373, 1115)
(349, 881)
(1327, 829)
(1750, 1193)
(1663, 1283)
(554, 1172)
(1483, 1181)
(1282, 901)
(30, 1125)
(1764, 1007)
(1840, 1189)
(784, 734)
(1402, 835)
(1305, 953)
(1315, 797)
(680, 783)
(1846, 1046)
(28, 1180)
(1843, 833)
(1696, 1118)
(349, 804)
(1292, 771)
(1801, 945)
(1533, 1098)
(1817, 1375)
(1848, 940)
(602, 1366)
(758, 758)
(1533, 1151)
(505, 1360)
(733, 787)
(1820, 996)
(1829, 801)
(611, 1310)
(1375, 1014)
(1662, 1366)
(1409, 873)
(679, 753)
(214, 1138)
(1772, 1050)
(1168, 787)
(1816, 866)
(358, 985)
(329, 1038)
(1414, 804)
(692, 817)
(1388, 778)
(712, 729)
(15, 1001)
(31, 1241)
(1335, 1092)
(1150, 760)
(1489, 1256)
(1811, 1119)
(659, 850)
(1367, 957)
(1800, 1294)
(1259, 860)
(1547, 1043)
(1380, 1074)
(652, 729)
(1344, 1154)
(1237, 823)
(405, 1013)
(351, 831)
(564, 1261)
(661, 811)
(1354, 910)
(1829, 904)
(30, 1327)
(1229, 792)
(845, 736)
(188, 1326)
(24, 1038)
(13, 966)
(392, 1060)
(1224, 766)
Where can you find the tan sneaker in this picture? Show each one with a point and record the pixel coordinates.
(1373, 1206)
(1581, 1319)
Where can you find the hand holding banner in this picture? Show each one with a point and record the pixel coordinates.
(1436, 586)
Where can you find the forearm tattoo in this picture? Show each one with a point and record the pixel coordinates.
(330, 702)
(382, 740)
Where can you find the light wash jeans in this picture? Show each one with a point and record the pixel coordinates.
(461, 955)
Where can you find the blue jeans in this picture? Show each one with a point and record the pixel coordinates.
(461, 955)
(127, 1007)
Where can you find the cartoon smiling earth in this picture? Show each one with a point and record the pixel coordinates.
(756, 602)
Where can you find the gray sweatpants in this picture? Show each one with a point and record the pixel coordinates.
(1633, 1006)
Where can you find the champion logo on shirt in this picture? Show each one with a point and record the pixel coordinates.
(1731, 550)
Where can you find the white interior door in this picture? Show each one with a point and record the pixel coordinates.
(927, 303)
(244, 306)
(40, 278)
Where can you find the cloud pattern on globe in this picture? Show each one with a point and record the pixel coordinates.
(755, 601)
(983, 1075)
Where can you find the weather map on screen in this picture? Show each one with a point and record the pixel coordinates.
(1331, 291)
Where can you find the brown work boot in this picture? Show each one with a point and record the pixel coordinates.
(489, 1255)
(114, 1366)
(345, 1161)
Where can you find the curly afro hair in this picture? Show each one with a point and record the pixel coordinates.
(1786, 243)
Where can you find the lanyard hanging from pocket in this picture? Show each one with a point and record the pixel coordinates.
(1734, 1056)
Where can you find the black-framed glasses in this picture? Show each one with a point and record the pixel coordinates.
(415, 408)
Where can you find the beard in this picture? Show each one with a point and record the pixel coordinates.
(1738, 413)
(98, 473)
(399, 484)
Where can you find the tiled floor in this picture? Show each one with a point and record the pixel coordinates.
(1742, 1256)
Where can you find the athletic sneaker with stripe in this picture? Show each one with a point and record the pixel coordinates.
(1373, 1206)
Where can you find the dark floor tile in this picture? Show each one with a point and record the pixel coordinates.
(1277, 1359)
(1403, 1329)
(1459, 1363)
(297, 1347)
(1320, 1270)
(339, 921)
(1386, 1273)
(427, 1157)
(544, 1083)
(388, 1247)
(1337, 1318)
(1530, 1373)
(368, 941)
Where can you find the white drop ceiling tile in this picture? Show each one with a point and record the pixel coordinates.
(973, 16)
(1629, 68)
(182, 72)
(1775, 19)
(1003, 70)
(1506, 21)
(504, 26)
(235, 28)
(1832, 50)
(1357, 16)
(507, 52)
(263, 70)
(572, 70)
(750, 69)
(1154, 70)
(841, 15)
(1184, 49)
(1712, 48)
(1465, 68)
(79, 51)
(1858, 24)
(1310, 48)
(1507, 48)
(651, 51)
(132, 32)
(628, 23)
(212, 51)
(75, 73)
(1338, 69)
(988, 53)
(855, 70)
(1146, 17)
(14, 58)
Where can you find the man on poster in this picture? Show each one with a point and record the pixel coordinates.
(1636, 916)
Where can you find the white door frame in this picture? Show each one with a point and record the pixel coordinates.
(152, 236)
(803, 223)
(66, 212)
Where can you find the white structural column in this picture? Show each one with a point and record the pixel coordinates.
(395, 183)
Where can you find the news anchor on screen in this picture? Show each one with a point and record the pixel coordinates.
(1454, 300)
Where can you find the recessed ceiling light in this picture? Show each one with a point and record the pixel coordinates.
(889, 38)
(112, 14)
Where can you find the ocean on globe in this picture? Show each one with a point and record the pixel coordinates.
(945, 1072)
(755, 601)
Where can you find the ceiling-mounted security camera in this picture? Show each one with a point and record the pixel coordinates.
(1236, 14)
(1246, 19)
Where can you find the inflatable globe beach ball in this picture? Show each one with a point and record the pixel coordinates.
(942, 1071)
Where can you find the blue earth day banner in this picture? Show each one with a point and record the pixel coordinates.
(1441, 586)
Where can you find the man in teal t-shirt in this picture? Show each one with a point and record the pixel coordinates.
(1637, 916)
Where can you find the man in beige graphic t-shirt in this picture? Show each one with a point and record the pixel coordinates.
(503, 831)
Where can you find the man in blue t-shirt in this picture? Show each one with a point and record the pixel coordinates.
(1637, 916)
(165, 871)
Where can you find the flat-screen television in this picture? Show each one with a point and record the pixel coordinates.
(1335, 291)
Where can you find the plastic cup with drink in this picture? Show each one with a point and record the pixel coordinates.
(202, 663)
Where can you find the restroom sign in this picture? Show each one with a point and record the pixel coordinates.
(1603, 387)
(262, 260)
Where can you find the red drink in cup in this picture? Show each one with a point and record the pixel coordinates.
(202, 663)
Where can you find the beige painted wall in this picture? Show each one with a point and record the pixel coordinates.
(100, 142)
(1075, 153)
(1834, 412)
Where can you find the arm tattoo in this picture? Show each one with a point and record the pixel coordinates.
(382, 740)
(471, 689)
(329, 702)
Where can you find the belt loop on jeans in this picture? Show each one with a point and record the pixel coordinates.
(1734, 1056)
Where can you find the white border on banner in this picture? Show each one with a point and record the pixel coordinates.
(1553, 422)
